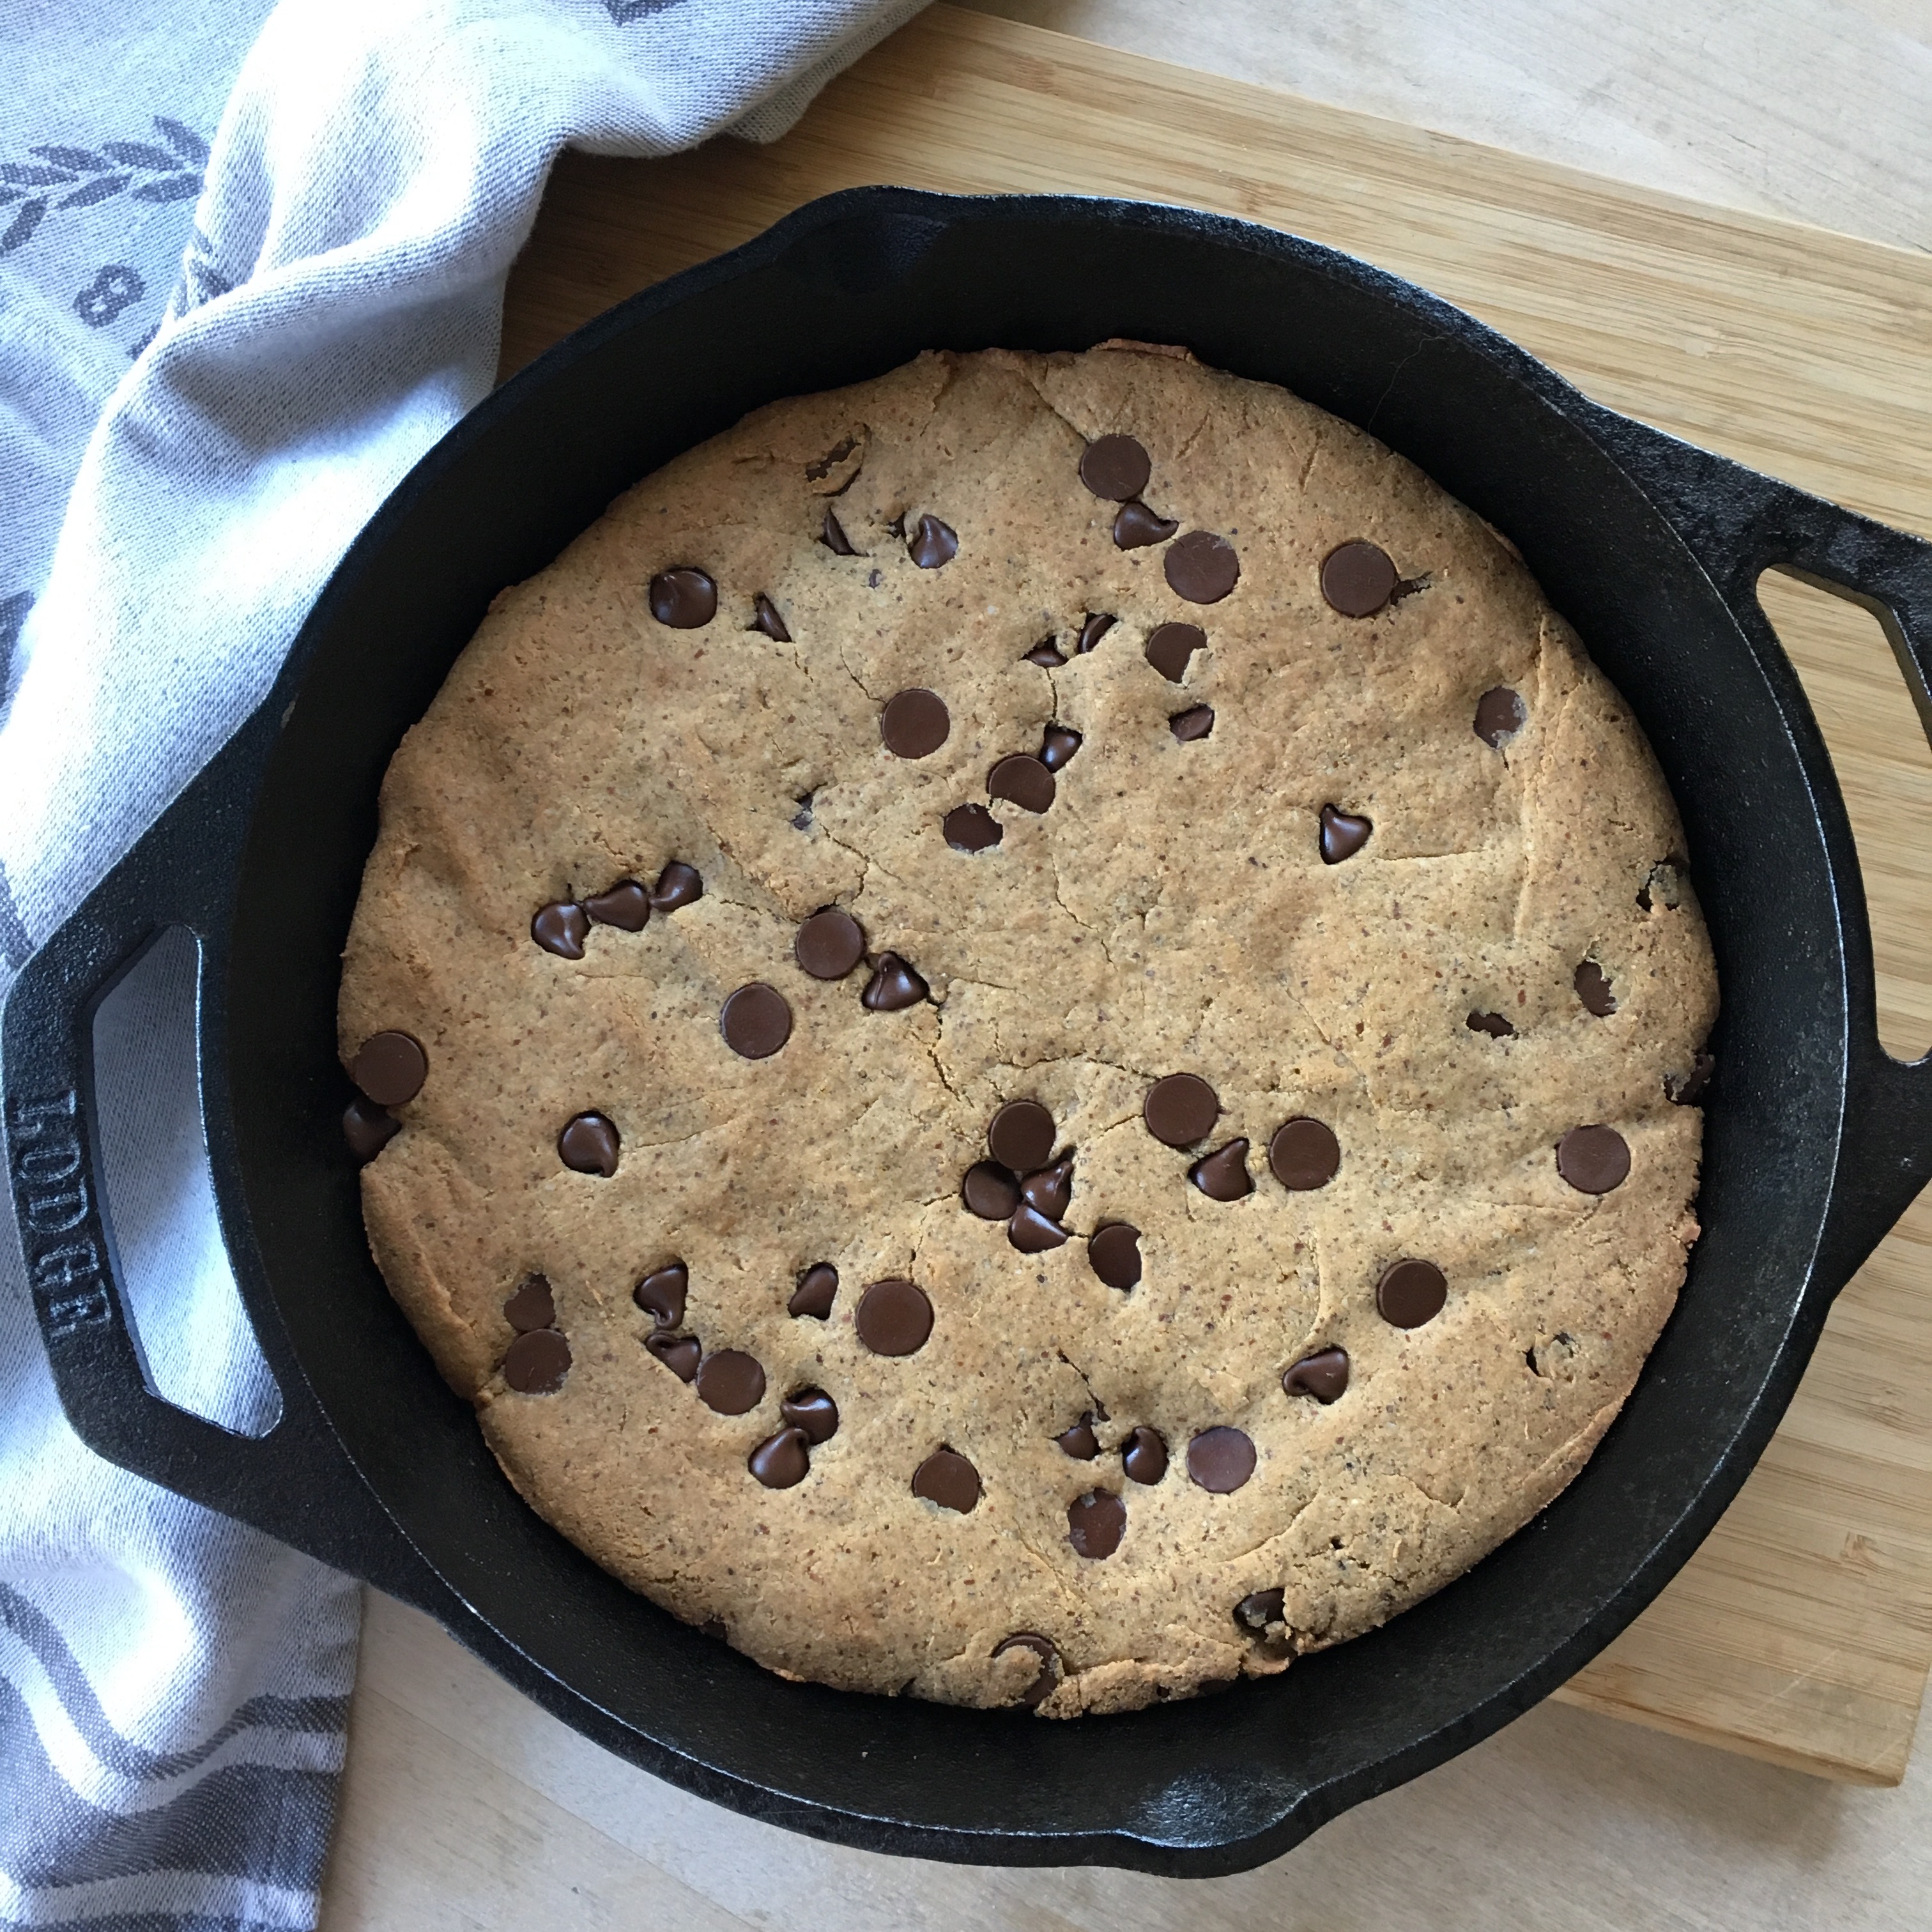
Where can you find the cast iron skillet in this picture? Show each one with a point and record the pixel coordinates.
(1815, 1140)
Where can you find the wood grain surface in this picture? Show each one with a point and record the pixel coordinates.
(1801, 1632)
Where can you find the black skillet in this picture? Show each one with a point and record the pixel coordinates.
(1815, 1140)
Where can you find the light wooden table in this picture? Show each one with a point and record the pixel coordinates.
(1801, 1632)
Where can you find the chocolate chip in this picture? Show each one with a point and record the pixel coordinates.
(828, 944)
(767, 618)
(1500, 713)
(1136, 526)
(1194, 722)
(894, 1317)
(914, 723)
(781, 1461)
(1494, 1025)
(1115, 467)
(1096, 626)
(1594, 990)
(390, 1068)
(1201, 567)
(1223, 1174)
(588, 1145)
(1020, 1136)
(972, 828)
(823, 467)
(1046, 654)
(626, 906)
(1023, 780)
(1058, 745)
(1593, 1159)
(1221, 1459)
(1410, 1293)
(678, 1353)
(989, 1191)
(1170, 647)
(684, 598)
(678, 885)
(893, 987)
(561, 928)
(932, 544)
(1041, 1687)
(661, 1293)
(368, 1128)
(1047, 1192)
(1180, 1109)
(1032, 1233)
(832, 536)
(947, 1479)
(1095, 1524)
(813, 1411)
(537, 1363)
(1304, 1154)
(1080, 1442)
(1324, 1375)
(532, 1307)
(813, 1295)
(1686, 1089)
(1114, 1254)
(1343, 835)
(1358, 578)
(1256, 1611)
(1144, 1456)
(755, 1021)
(730, 1382)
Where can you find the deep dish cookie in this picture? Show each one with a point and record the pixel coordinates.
(1030, 1032)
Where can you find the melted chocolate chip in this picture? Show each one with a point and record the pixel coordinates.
(1032, 1233)
(1594, 990)
(813, 1411)
(949, 1479)
(989, 1191)
(1180, 1109)
(1023, 780)
(1135, 527)
(1223, 1174)
(1046, 654)
(1201, 567)
(1020, 1136)
(1410, 1293)
(932, 544)
(537, 1363)
(1324, 1375)
(1500, 714)
(368, 1128)
(1686, 1089)
(972, 828)
(1042, 1688)
(678, 885)
(661, 1293)
(1257, 1611)
(828, 944)
(1115, 467)
(1343, 835)
(832, 535)
(686, 599)
(390, 1068)
(1114, 1254)
(780, 1461)
(1095, 1524)
(1080, 1442)
(626, 906)
(893, 987)
(1494, 1025)
(1593, 1159)
(561, 928)
(1048, 1192)
(730, 1382)
(1170, 647)
(588, 1145)
(823, 466)
(679, 1354)
(1194, 722)
(1096, 626)
(814, 1294)
(532, 1307)
(755, 1021)
(1304, 1154)
(1144, 1456)
(1221, 1459)
(1058, 745)
(914, 723)
(766, 618)
(1358, 578)
(893, 1318)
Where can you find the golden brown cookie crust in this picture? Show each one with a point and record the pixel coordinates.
(1170, 911)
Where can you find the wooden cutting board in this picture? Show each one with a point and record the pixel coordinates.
(1802, 1631)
